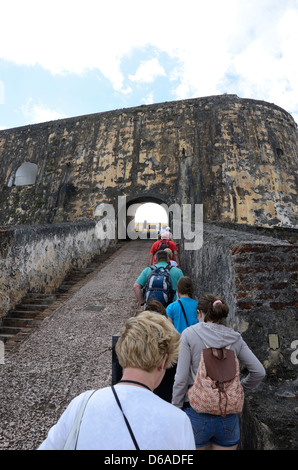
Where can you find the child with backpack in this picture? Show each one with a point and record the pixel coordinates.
(207, 382)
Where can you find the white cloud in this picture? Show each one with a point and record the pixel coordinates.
(148, 71)
(35, 113)
(71, 36)
(266, 66)
(149, 99)
(255, 39)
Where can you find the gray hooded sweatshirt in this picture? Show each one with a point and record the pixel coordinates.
(202, 335)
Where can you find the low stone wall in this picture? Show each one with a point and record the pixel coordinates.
(257, 275)
(37, 258)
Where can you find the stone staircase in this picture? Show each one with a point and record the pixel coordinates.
(34, 307)
(24, 314)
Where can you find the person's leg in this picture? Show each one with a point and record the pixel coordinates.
(207, 447)
(227, 433)
(202, 427)
(216, 447)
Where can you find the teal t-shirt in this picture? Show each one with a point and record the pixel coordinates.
(175, 274)
(174, 311)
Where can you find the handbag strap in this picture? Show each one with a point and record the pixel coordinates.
(183, 311)
(74, 432)
(125, 419)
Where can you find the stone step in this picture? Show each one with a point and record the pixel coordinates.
(4, 337)
(39, 300)
(63, 288)
(8, 332)
(18, 322)
(39, 295)
(22, 314)
(23, 307)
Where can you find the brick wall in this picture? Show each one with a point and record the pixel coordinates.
(265, 276)
(257, 276)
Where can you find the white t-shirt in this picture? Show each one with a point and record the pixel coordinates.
(156, 424)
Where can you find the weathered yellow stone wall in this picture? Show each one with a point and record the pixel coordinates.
(235, 156)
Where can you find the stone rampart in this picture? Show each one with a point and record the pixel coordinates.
(257, 275)
(237, 157)
(37, 258)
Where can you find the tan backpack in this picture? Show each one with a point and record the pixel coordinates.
(217, 389)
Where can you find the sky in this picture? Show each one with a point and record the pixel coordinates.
(69, 58)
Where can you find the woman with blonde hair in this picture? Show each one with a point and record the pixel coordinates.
(128, 415)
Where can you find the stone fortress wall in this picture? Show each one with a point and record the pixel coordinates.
(237, 157)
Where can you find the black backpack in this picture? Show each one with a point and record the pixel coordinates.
(159, 285)
(162, 246)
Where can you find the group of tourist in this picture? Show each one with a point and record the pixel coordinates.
(170, 332)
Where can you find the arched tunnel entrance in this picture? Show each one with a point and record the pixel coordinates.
(144, 217)
(147, 219)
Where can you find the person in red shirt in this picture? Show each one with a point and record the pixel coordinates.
(165, 242)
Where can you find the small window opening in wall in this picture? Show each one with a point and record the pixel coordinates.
(279, 152)
(25, 175)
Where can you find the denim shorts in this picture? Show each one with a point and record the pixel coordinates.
(224, 432)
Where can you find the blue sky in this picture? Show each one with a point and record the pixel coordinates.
(71, 57)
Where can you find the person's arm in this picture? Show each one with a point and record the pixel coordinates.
(173, 247)
(181, 381)
(152, 252)
(138, 293)
(177, 258)
(256, 371)
(169, 313)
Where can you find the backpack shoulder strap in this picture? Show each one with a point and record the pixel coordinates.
(159, 245)
(181, 305)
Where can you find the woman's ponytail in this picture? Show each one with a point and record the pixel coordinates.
(215, 309)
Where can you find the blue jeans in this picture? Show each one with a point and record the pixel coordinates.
(224, 432)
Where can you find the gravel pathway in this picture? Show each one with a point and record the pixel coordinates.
(69, 352)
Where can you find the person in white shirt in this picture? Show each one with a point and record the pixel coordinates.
(148, 345)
